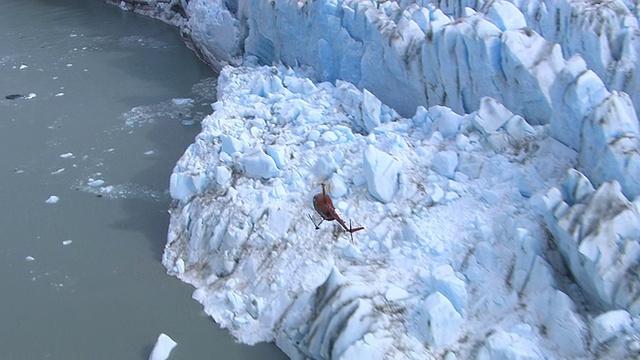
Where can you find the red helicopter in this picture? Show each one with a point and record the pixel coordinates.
(324, 206)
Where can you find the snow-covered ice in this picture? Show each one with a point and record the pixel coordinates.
(495, 169)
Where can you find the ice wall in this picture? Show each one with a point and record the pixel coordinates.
(604, 33)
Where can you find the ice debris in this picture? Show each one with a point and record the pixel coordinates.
(162, 348)
(52, 199)
(381, 171)
(454, 229)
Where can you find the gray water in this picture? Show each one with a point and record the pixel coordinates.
(81, 278)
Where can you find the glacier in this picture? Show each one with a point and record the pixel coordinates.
(490, 150)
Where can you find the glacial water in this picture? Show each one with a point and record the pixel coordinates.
(109, 101)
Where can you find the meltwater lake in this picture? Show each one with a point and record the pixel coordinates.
(108, 102)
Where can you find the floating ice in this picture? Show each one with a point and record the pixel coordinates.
(162, 348)
(182, 101)
(66, 155)
(95, 182)
(52, 199)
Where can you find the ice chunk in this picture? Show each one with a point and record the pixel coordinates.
(52, 199)
(607, 326)
(445, 120)
(444, 280)
(182, 101)
(371, 108)
(259, 165)
(422, 118)
(395, 293)
(279, 221)
(278, 153)
(329, 136)
(337, 186)
(438, 321)
(437, 194)
(325, 166)
(564, 326)
(491, 115)
(162, 348)
(223, 176)
(518, 129)
(508, 346)
(576, 187)
(470, 164)
(381, 171)
(230, 144)
(445, 163)
(95, 182)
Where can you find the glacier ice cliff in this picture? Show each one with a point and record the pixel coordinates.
(604, 33)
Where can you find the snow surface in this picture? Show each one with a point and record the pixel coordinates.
(495, 171)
